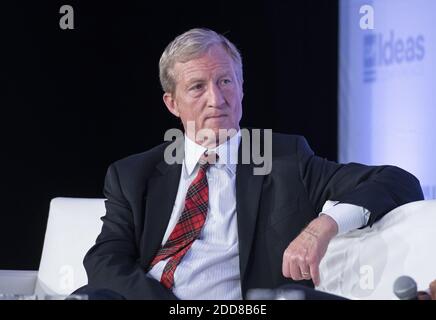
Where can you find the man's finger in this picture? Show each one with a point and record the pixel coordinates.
(285, 267)
(314, 272)
(295, 269)
(304, 269)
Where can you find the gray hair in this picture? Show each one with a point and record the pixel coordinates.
(191, 45)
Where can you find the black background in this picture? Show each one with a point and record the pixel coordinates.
(73, 101)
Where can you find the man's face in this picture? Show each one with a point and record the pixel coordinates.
(207, 92)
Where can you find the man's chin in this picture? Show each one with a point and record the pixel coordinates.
(215, 135)
(222, 130)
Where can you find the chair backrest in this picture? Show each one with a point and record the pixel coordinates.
(364, 264)
(72, 227)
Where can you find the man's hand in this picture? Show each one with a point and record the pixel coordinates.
(302, 257)
(423, 295)
(433, 290)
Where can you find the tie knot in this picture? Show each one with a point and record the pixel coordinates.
(207, 159)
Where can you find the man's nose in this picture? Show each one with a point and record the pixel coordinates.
(215, 96)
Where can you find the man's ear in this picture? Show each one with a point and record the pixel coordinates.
(171, 104)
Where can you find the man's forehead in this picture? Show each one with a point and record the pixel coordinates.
(208, 62)
(198, 68)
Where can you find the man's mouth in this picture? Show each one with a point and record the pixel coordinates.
(216, 116)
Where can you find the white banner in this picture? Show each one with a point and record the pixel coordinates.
(387, 88)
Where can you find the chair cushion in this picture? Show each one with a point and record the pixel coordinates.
(364, 264)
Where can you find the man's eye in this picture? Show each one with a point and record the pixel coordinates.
(197, 87)
(226, 81)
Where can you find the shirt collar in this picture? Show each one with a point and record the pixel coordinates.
(227, 153)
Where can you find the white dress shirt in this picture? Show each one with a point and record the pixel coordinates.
(210, 268)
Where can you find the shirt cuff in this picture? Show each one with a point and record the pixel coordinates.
(347, 216)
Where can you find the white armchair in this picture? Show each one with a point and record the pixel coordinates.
(362, 264)
(72, 227)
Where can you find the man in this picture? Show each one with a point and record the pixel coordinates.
(205, 229)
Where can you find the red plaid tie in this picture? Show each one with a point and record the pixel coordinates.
(188, 227)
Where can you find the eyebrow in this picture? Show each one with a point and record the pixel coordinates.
(195, 80)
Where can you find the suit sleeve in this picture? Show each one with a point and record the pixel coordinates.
(379, 189)
(112, 263)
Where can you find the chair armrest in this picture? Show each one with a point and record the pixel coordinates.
(364, 263)
(17, 281)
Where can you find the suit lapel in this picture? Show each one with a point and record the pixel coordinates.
(160, 198)
(248, 191)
